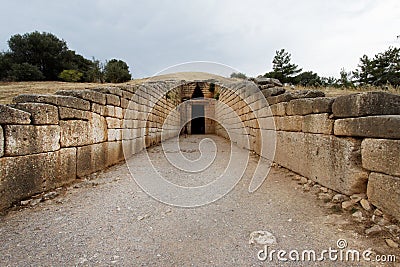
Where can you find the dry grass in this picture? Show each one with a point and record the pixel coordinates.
(8, 90)
(333, 91)
(11, 89)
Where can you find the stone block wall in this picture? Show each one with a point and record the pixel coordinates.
(350, 144)
(47, 141)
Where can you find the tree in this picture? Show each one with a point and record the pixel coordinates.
(307, 78)
(73, 61)
(70, 75)
(25, 72)
(116, 71)
(345, 79)
(43, 50)
(238, 75)
(5, 66)
(96, 72)
(283, 70)
(384, 68)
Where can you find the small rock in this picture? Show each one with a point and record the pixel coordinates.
(382, 221)
(303, 180)
(296, 178)
(347, 205)
(393, 229)
(50, 195)
(338, 198)
(365, 204)
(324, 189)
(373, 230)
(357, 197)
(358, 216)
(324, 196)
(35, 201)
(306, 187)
(378, 212)
(26, 202)
(317, 187)
(391, 243)
(262, 238)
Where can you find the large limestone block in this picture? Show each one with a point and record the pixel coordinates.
(300, 107)
(30, 139)
(113, 100)
(58, 100)
(318, 123)
(74, 133)
(89, 95)
(91, 158)
(322, 104)
(115, 153)
(366, 104)
(386, 126)
(97, 128)
(40, 113)
(289, 123)
(9, 115)
(381, 155)
(1, 142)
(331, 161)
(24, 176)
(384, 193)
(71, 113)
(278, 109)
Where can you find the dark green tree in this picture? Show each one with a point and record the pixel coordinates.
(381, 70)
(43, 50)
(73, 61)
(307, 78)
(5, 66)
(283, 69)
(25, 72)
(116, 71)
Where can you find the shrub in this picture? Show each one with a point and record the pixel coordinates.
(70, 75)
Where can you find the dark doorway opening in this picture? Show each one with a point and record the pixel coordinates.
(198, 121)
(197, 93)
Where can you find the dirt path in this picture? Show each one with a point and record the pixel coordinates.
(110, 221)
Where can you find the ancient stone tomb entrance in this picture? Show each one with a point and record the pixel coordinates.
(198, 119)
(198, 108)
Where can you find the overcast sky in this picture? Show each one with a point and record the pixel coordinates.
(322, 36)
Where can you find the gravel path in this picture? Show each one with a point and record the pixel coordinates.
(109, 221)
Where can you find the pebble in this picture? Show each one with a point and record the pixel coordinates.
(324, 189)
(391, 243)
(373, 230)
(347, 205)
(338, 198)
(35, 201)
(393, 229)
(357, 197)
(296, 178)
(303, 180)
(358, 216)
(25, 202)
(324, 196)
(365, 204)
(50, 195)
(378, 212)
(306, 187)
